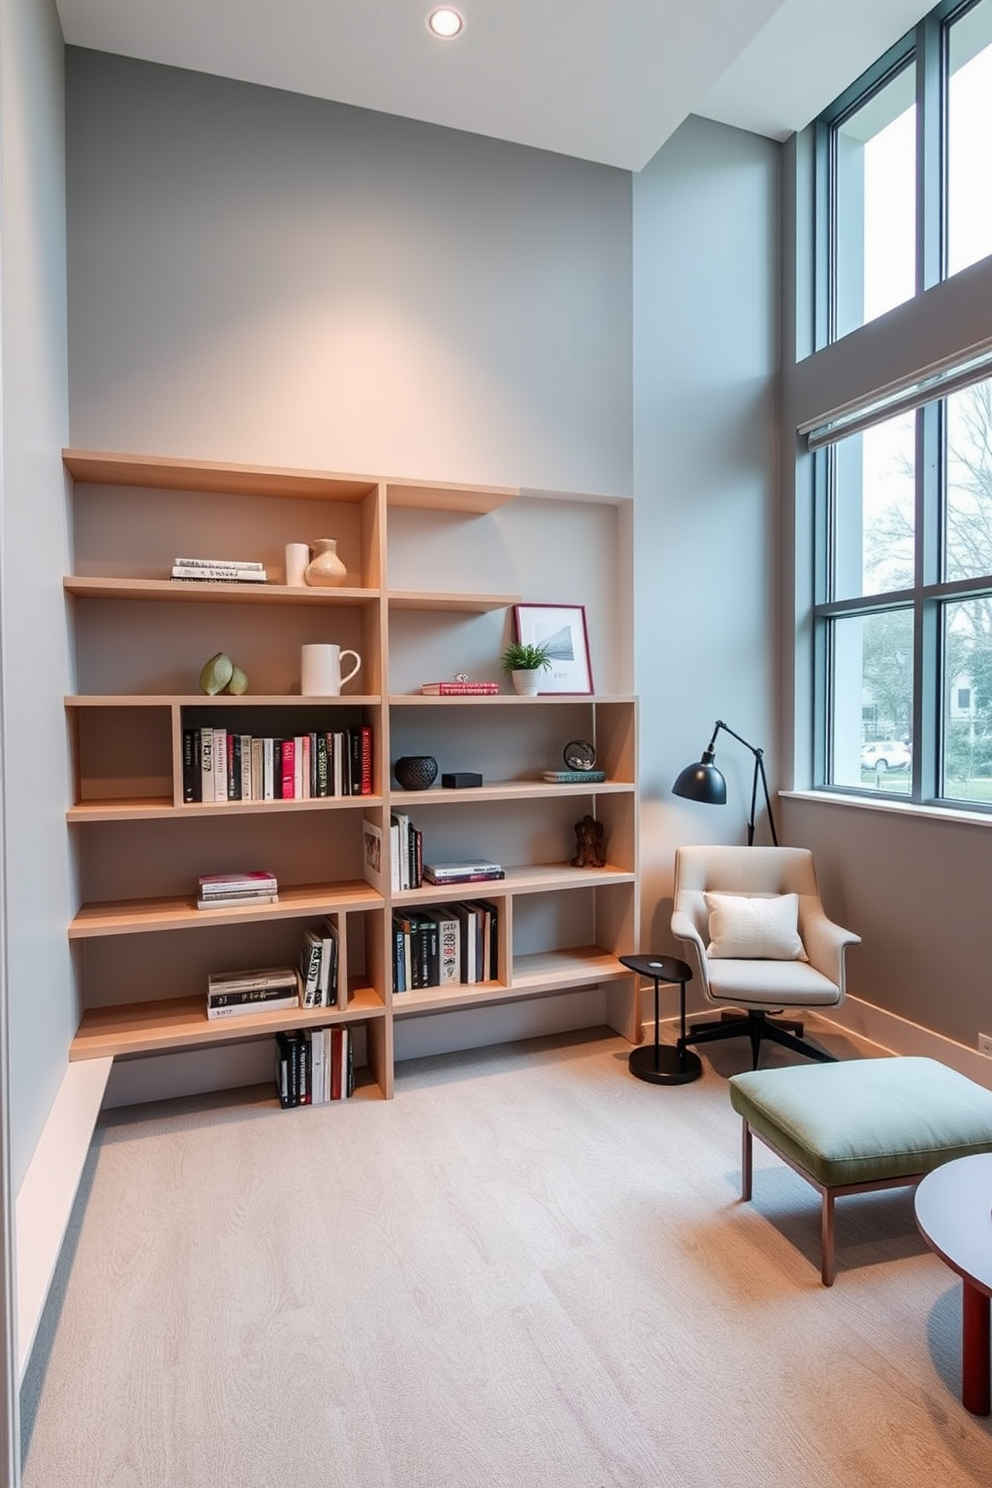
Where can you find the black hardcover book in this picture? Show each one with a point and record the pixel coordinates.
(233, 766)
(305, 1055)
(323, 766)
(286, 1044)
(192, 783)
(349, 1075)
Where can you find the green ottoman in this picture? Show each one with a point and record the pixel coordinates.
(860, 1124)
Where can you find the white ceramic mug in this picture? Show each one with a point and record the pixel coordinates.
(321, 670)
(297, 558)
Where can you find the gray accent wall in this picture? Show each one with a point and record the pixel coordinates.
(706, 231)
(262, 277)
(42, 1012)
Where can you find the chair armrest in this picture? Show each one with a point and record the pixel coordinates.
(684, 929)
(825, 944)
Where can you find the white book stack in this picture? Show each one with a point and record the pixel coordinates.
(218, 571)
(237, 890)
(266, 989)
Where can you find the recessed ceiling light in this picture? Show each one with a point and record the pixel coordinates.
(445, 22)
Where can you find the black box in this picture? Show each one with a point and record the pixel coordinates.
(461, 780)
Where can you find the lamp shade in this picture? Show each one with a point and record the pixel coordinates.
(702, 782)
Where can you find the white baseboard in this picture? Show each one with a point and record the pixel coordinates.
(48, 1192)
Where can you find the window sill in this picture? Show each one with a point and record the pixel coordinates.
(902, 808)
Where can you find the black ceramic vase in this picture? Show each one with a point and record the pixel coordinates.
(416, 771)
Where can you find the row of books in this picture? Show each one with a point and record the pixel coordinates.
(320, 984)
(220, 765)
(314, 1065)
(406, 844)
(218, 570)
(236, 890)
(445, 945)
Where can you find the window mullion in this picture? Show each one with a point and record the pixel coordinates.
(927, 617)
(931, 138)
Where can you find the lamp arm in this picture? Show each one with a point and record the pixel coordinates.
(759, 770)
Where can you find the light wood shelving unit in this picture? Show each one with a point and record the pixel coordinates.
(140, 848)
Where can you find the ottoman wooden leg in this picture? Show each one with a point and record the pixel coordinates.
(746, 1161)
(827, 1239)
(975, 1351)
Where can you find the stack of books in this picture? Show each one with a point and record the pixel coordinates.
(575, 777)
(265, 990)
(237, 890)
(314, 1065)
(459, 689)
(218, 571)
(477, 870)
(319, 982)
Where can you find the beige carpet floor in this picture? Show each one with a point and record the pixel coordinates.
(529, 1270)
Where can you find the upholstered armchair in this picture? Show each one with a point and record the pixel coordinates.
(759, 940)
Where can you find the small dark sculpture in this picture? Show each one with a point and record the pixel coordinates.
(589, 844)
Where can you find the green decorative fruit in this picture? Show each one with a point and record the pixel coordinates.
(238, 683)
(216, 674)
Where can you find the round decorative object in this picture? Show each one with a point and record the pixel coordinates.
(416, 771)
(325, 569)
(579, 754)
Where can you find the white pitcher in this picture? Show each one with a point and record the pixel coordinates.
(321, 670)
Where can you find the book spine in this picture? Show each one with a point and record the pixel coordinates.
(236, 901)
(349, 1062)
(218, 573)
(268, 770)
(220, 764)
(282, 1071)
(242, 1009)
(234, 767)
(235, 883)
(449, 951)
(365, 787)
(206, 764)
(252, 995)
(321, 777)
(191, 773)
(305, 1069)
(442, 879)
(247, 747)
(288, 769)
(460, 689)
(239, 565)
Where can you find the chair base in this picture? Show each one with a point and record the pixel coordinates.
(756, 1024)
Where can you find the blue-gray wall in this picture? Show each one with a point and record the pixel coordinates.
(706, 233)
(263, 277)
(41, 1004)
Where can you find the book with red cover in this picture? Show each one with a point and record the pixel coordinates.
(365, 768)
(460, 689)
(288, 769)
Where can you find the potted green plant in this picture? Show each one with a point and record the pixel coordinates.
(524, 663)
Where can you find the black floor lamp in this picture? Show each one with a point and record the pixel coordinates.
(703, 782)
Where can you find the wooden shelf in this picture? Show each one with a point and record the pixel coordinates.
(139, 916)
(440, 496)
(507, 790)
(178, 591)
(181, 1022)
(543, 879)
(158, 808)
(502, 699)
(536, 975)
(98, 467)
(475, 604)
(218, 700)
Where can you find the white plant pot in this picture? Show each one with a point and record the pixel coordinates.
(526, 683)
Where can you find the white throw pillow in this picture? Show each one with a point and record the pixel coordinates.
(760, 929)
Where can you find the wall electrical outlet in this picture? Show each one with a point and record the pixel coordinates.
(985, 1043)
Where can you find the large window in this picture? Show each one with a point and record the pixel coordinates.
(902, 616)
(904, 156)
(904, 621)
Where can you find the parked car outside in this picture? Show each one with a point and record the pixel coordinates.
(888, 754)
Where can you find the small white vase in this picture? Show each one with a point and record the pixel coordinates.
(325, 569)
(526, 683)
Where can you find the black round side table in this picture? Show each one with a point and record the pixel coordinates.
(664, 1064)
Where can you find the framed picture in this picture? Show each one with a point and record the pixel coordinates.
(562, 630)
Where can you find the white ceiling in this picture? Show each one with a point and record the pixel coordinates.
(604, 80)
